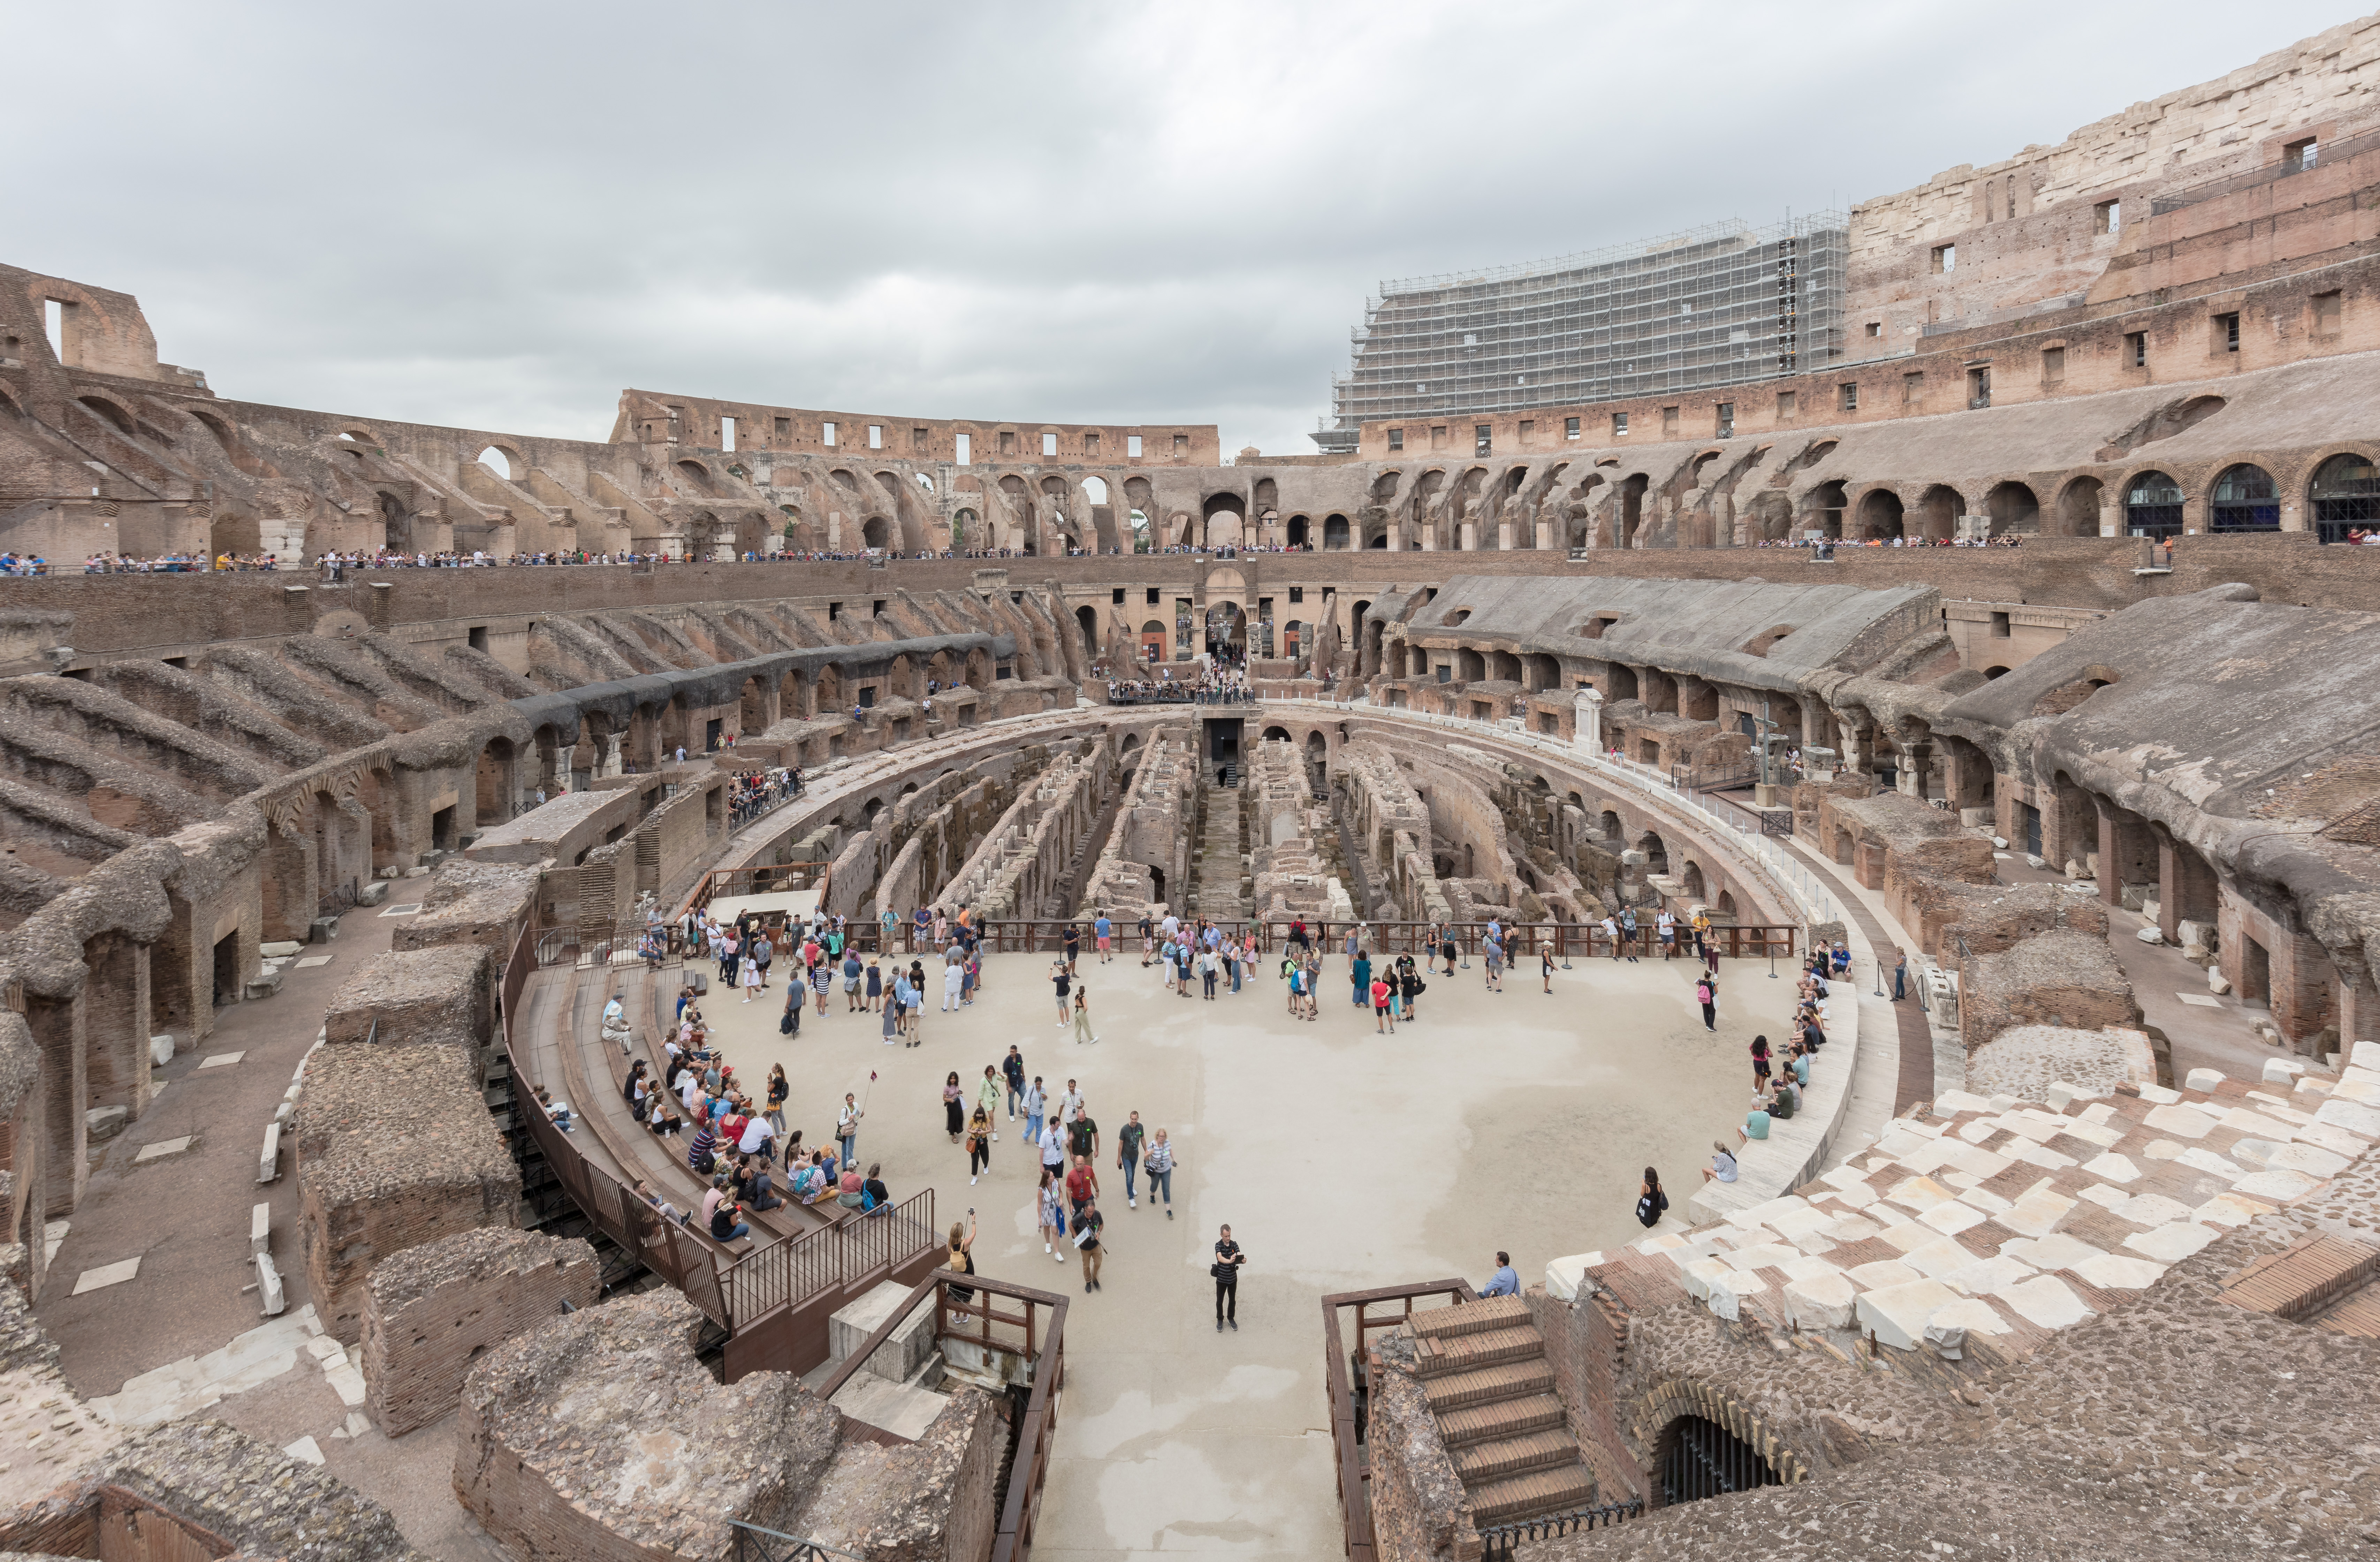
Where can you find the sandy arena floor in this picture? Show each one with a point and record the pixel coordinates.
(1344, 1160)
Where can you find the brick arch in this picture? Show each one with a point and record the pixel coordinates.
(1647, 1423)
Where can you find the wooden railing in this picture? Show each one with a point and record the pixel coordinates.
(1346, 1428)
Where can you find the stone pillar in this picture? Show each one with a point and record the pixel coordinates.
(607, 754)
(1505, 532)
(1469, 542)
(2111, 512)
(1544, 535)
(1916, 769)
(57, 1024)
(1587, 708)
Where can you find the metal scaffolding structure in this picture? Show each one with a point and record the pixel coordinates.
(1721, 305)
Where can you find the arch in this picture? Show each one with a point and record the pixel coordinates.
(2073, 691)
(1087, 619)
(2013, 507)
(1696, 1458)
(961, 529)
(2344, 495)
(2153, 505)
(876, 532)
(1299, 533)
(1632, 508)
(1941, 506)
(1880, 514)
(2077, 508)
(1608, 825)
(1317, 749)
(1095, 489)
(924, 482)
(2244, 499)
(1221, 519)
(1334, 533)
(1681, 1411)
(109, 412)
(1656, 854)
(1823, 508)
(1272, 734)
(498, 461)
(1691, 878)
(1725, 907)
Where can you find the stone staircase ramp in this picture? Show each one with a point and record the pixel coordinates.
(1483, 1372)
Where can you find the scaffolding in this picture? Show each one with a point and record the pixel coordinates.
(1721, 305)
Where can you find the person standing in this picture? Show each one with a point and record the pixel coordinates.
(1759, 1063)
(1611, 932)
(846, 1125)
(1074, 944)
(1359, 975)
(1034, 1102)
(1052, 1205)
(1103, 929)
(1012, 1069)
(1053, 1147)
(1382, 1019)
(778, 1091)
(979, 1143)
(1209, 967)
(1088, 1224)
(1707, 994)
(961, 1258)
(1651, 1202)
(1900, 976)
(1128, 1142)
(1226, 1271)
(954, 980)
(1628, 930)
(954, 1107)
(764, 954)
(1082, 1184)
(1065, 984)
(1159, 1167)
(1083, 1031)
(1493, 956)
(987, 1097)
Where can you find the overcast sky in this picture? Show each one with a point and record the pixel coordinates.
(498, 215)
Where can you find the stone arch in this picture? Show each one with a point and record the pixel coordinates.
(2244, 498)
(1629, 518)
(2013, 507)
(1336, 536)
(876, 532)
(1653, 1421)
(1690, 878)
(1939, 508)
(1298, 534)
(1879, 515)
(2152, 505)
(1823, 508)
(2077, 508)
(2343, 495)
(1656, 853)
(1086, 619)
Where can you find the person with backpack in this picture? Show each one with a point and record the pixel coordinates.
(1226, 1272)
(960, 1258)
(1012, 1069)
(1707, 994)
(1651, 1202)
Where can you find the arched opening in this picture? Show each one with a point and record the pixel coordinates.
(876, 532)
(2013, 508)
(1821, 510)
(1939, 509)
(2073, 693)
(1631, 508)
(1724, 911)
(1222, 514)
(1879, 515)
(1692, 879)
(2077, 508)
(1273, 733)
(2153, 507)
(2244, 500)
(1317, 752)
(1334, 534)
(1698, 1458)
(1140, 531)
(1470, 666)
(2344, 495)
(1299, 534)
(1607, 825)
(1656, 856)
(962, 530)
(1152, 640)
(1089, 619)
(501, 464)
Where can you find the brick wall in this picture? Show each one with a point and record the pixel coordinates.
(429, 1310)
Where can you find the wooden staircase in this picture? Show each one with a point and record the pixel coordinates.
(1483, 1367)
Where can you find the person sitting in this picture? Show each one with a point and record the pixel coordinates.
(811, 1181)
(1755, 1122)
(1504, 1282)
(702, 1152)
(724, 1226)
(1722, 1166)
(876, 1199)
(852, 1189)
(558, 1111)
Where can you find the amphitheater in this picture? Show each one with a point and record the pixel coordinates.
(312, 876)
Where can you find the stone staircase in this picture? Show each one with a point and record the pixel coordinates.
(1483, 1367)
(1220, 890)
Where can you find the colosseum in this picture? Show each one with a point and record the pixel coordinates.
(1951, 672)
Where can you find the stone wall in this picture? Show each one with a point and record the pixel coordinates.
(394, 1148)
(427, 997)
(1419, 1509)
(432, 1309)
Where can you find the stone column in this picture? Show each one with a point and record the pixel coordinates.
(1586, 708)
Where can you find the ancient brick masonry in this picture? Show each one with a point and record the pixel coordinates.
(432, 1310)
(394, 1148)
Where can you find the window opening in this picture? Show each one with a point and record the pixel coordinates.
(1048, 444)
(727, 433)
(966, 449)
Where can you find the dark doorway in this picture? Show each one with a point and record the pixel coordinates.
(228, 969)
(2031, 818)
(442, 828)
(710, 730)
(1223, 737)
(1700, 1458)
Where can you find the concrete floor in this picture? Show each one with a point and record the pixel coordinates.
(1342, 1159)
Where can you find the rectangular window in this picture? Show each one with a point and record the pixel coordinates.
(1850, 398)
(868, 697)
(1007, 443)
(1479, 439)
(785, 431)
(2052, 366)
(966, 449)
(1181, 445)
(1396, 439)
(727, 433)
(1620, 425)
(876, 436)
(1786, 403)
(1048, 444)
(918, 438)
(2000, 626)
(1118, 599)
(1091, 445)
(1668, 423)
(1132, 446)
(876, 609)
(1979, 388)
(1913, 389)
(834, 611)
(2107, 216)
(1528, 433)
(1946, 259)
(1725, 422)
(1876, 327)
(1296, 595)
(2326, 314)
(826, 433)
(1437, 437)
(1152, 596)
(54, 323)
(1570, 428)
(2226, 333)
(2136, 350)
(2298, 157)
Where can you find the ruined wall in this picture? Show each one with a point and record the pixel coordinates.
(432, 1310)
(1419, 1509)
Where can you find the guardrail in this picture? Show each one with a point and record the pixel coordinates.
(1500, 1541)
(789, 1273)
(1341, 1373)
(1736, 940)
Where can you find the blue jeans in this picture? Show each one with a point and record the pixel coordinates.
(741, 1230)
(1128, 1170)
(846, 1140)
(1015, 1099)
(1161, 1182)
(1033, 1127)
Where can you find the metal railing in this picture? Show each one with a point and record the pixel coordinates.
(1342, 1371)
(1735, 940)
(1498, 1540)
(753, 1544)
(855, 1246)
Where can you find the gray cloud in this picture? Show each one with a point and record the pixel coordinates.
(498, 215)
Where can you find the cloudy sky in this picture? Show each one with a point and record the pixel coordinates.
(498, 214)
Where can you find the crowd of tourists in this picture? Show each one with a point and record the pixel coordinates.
(1217, 685)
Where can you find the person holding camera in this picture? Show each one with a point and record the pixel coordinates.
(1226, 1271)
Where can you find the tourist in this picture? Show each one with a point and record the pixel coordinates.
(1722, 1166)
(1103, 931)
(701, 1151)
(1611, 932)
(954, 979)
(1074, 944)
(988, 1094)
(789, 1023)
(821, 982)
(1159, 1167)
(1011, 1068)
(1899, 975)
(1050, 1204)
(1082, 1184)
(1083, 1031)
(751, 978)
(1503, 1282)
(1226, 1271)
(1359, 976)
(1128, 1140)
(846, 1125)
(1410, 986)
(874, 1196)
(1666, 926)
(1628, 930)
(1755, 1121)
(1082, 1128)
(1035, 1100)
(1088, 1223)
(1759, 1062)
(1382, 1019)
(1546, 967)
(1707, 994)
(953, 1107)
(1064, 981)
(1651, 1202)
(978, 1144)
(559, 1112)
(1147, 940)
(1053, 1145)
(1493, 956)
(960, 1259)
(724, 1226)
(873, 997)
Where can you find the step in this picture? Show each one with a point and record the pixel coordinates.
(1557, 1490)
(1499, 1417)
(1434, 1358)
(1543, 1449)
(1471, 1318)
(1509, 1380)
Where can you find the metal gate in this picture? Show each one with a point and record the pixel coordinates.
(1705, 1459)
